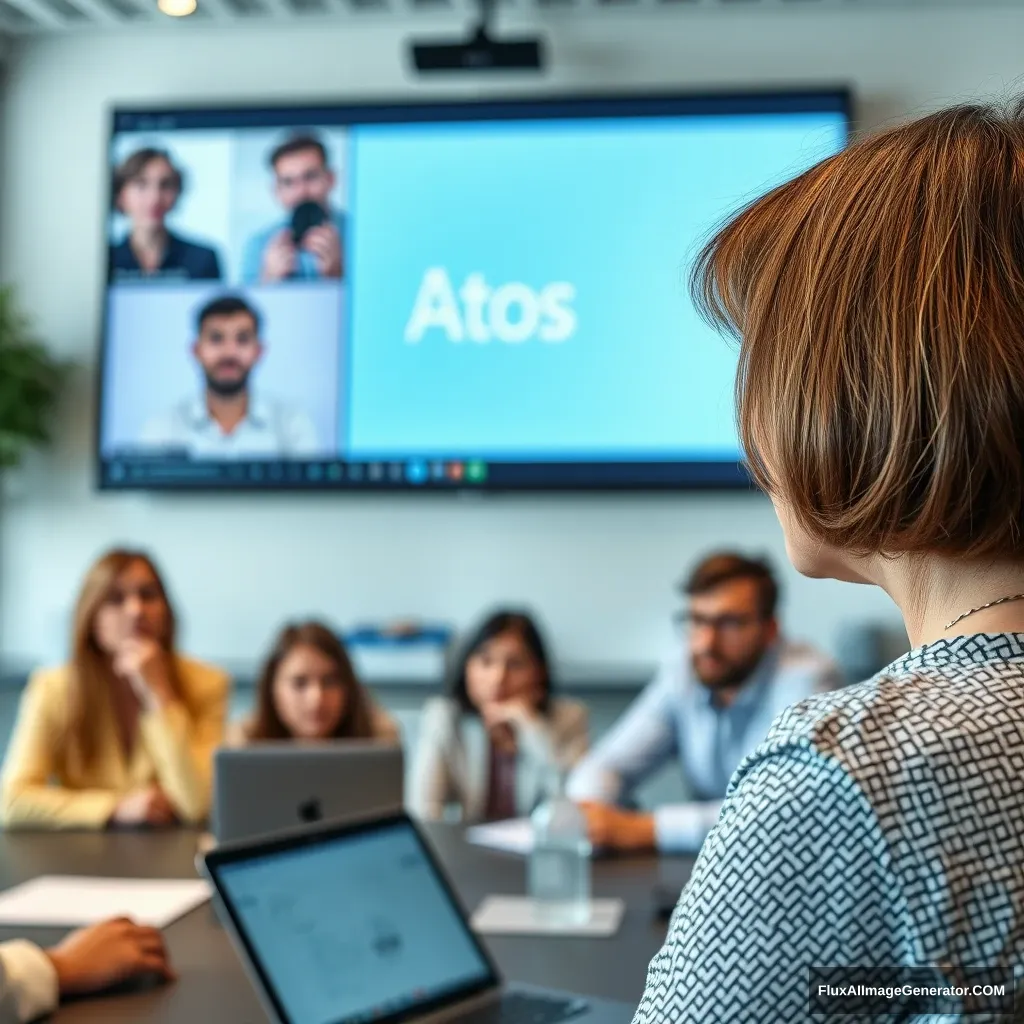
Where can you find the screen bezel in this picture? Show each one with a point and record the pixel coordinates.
(245, 851)
(548, 476)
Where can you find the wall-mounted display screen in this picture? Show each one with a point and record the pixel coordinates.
(457, 295)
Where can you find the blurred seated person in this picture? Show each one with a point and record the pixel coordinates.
(308, 690)
(307, 242)
(492, 746)
(709, 706)
(146, 188)
(33, 980)
(123, 735)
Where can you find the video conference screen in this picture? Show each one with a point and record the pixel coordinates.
(445, 296)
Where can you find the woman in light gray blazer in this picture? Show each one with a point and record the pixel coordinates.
(493, 747)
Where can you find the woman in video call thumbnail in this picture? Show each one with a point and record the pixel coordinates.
(145, 189)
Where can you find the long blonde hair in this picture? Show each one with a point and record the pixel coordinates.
(91, 675)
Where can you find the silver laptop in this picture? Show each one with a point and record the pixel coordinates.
(355, 922)
(267, 787)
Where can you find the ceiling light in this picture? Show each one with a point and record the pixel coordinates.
(177, 8)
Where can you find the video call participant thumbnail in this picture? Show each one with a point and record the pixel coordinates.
(146, 187)
(226, 419)
(307, 243)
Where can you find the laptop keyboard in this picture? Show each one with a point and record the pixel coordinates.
(521, 1008)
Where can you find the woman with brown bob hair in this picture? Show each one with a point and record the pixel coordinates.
(879, 303)
(124, 733)
(308, 690)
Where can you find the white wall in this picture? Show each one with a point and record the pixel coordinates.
(600, 570)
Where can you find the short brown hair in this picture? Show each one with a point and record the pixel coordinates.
(298, 144)
(227, 305)
(727, 566)
(879, 299)
(357, 720)
(132, 166)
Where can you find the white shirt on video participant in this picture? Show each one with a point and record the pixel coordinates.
(226, 420)
(270, 429)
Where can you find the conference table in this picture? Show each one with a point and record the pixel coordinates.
(212, 987)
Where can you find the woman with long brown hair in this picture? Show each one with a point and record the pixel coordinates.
(868, 862)
(492, 748)
(124, 733)
(308, 690)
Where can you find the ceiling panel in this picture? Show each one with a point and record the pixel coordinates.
(18, 17)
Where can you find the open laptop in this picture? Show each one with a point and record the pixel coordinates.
(356, 922)
(266, 787)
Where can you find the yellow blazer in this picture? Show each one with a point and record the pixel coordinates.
(40, 788)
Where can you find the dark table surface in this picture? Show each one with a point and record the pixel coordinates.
(575, 679)
(212, 986)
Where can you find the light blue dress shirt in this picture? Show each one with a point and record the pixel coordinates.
(305, 268)
(677, 718)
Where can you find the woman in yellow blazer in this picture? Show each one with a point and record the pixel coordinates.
(123, 734)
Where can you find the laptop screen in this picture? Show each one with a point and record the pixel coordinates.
(358, 926)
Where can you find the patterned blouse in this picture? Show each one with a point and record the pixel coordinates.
(880, 826)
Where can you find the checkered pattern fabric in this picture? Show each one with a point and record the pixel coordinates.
(879, 825)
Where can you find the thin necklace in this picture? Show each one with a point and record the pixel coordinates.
(982, 607)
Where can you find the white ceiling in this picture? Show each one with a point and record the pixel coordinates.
(33, 17)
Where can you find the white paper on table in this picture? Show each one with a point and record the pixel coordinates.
(73, 901)
(517, 915)
(689, 824)
(512, 836)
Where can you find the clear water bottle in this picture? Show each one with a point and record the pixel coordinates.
(559, 871)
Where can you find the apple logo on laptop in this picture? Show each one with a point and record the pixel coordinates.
(311, 811)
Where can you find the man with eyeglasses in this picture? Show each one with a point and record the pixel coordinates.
(307, 243)
(710, 705)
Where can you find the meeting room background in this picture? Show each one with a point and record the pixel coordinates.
(598, 568)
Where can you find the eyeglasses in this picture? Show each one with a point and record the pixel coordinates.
(310, 177)
(716, 623)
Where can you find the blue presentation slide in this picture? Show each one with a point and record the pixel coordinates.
(523, 294)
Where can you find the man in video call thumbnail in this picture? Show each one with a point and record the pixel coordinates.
(308, 242)
(226, 420)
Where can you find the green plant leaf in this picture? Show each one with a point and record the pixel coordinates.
(30, 381)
